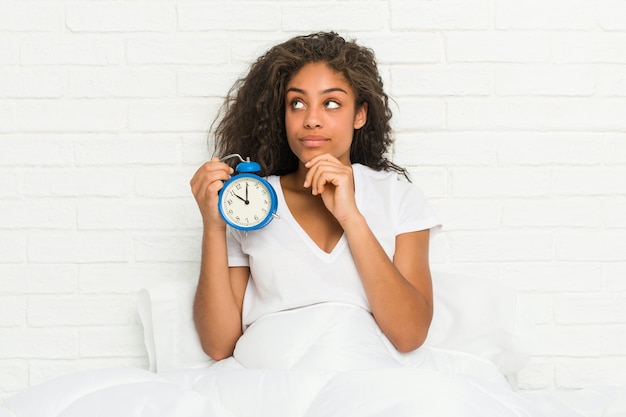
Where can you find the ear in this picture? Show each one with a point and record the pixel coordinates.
(360, 117)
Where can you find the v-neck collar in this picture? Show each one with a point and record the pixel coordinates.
(285, 214)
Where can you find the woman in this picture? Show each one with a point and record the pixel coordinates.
(312, 111)
(337, 290)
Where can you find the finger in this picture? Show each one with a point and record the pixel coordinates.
(327, 174)
(208, 174)
(211, 188)
(203, 185)
(212, 167)
(313, 175)
(309, 176)
(316, 163)
(322, 158)
(204, 188)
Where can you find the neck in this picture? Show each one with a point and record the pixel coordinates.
(295, 180)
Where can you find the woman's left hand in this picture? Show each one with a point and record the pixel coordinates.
(333, 181)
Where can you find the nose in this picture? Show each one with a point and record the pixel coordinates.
(313, 119)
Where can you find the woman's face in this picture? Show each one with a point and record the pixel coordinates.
(320, 114)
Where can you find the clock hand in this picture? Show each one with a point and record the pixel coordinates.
(247, 202)
(241, 198)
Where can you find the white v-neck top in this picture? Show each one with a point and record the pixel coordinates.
(287, 268)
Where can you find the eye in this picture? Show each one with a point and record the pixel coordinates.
(332, 104)
(296, 104)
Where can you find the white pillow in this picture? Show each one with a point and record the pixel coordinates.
(473, 315)
(483, 317)
(166, 313)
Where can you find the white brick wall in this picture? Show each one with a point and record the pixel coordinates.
(511, 117)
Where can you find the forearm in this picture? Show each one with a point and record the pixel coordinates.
(217, 313)
(401, 305)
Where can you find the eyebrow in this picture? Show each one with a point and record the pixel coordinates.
(328, 90)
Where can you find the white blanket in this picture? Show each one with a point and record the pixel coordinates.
(323, 360)
(125, 392)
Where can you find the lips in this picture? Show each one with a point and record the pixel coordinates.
(313, 141)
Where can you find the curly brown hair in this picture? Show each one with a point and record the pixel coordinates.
(251, 121)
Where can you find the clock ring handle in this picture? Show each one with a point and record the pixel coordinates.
(233, 155)
(245, 165)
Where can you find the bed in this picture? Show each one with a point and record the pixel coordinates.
(480, 333)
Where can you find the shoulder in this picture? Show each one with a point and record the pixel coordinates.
(390, 180)
(390, 186)
(371, 174)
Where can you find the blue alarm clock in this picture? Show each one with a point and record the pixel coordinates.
(247, 201)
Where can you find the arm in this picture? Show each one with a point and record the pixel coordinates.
(219, 294)
(219, 299)
(399, 290)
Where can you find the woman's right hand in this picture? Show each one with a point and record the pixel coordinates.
(205, 185)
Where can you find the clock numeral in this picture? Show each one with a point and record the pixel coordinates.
(246, 203)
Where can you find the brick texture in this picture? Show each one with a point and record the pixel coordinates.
(509, 115)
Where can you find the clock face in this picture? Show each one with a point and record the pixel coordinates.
(247, 202)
